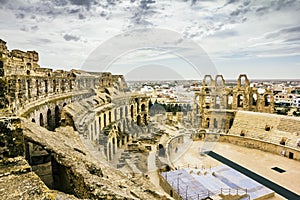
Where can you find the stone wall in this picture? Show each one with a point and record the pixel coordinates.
(215, 99)
(272, 128)
(261, 145)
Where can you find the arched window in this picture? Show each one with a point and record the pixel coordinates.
(254, 99)
(267, 99)
(143, 107)
(240, 100)
(41, 119)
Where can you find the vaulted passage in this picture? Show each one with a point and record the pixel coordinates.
(49, 121)
(56, 117)
(41, 119)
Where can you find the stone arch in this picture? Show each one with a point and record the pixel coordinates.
(109, 156)
(143, 107)
(207, 122)
(113, 145)
(104, 120)
(33, 120)
(217, 102)
(62, 86)
(49, 120)
(70, 85)
(46, 86)
(207, 80)
(243, 80)
(220, 82)
(231, 122)
(121, 112)
(215, 123)
(138, 120)
(54, 86)
(109, 117)
(240, 98)
(56, 116)
(229, 100)
(131, 111)
(254, 99)
(126, 111)
(28, 88)
(37, 87)
(267, 99)
(41, 119)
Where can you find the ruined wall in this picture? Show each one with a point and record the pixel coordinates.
(214, 102)
(260, 144)
(272, 128)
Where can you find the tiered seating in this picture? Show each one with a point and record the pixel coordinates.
(267, 127)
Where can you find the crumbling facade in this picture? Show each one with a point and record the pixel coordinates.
(215, 104)
(36, 102)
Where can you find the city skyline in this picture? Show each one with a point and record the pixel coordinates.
(258, 38)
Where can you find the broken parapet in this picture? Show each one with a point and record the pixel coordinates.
(11, 137)
(40, 164)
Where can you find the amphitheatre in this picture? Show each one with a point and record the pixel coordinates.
(84, 135)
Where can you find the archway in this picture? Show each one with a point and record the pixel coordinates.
(131, 111)
(229, 101)
(143, 107)
(54, 86)
(240, 100)
(254, 99)
(109, 117)
(138, 120)
(215, 123)
(104, 120)
(41, 119)
(49, 120)
(33, 120)
(126, 111)
(109, 156)
(114, 145)
(267, 99)
(57, 116)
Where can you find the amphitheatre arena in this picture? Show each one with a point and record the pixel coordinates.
(85, 135)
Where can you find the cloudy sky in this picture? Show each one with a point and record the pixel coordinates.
(260, 38)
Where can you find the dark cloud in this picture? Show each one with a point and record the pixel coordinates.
(261, 9)
(70, 37)
(293, 39)
(74, 11)
(2, 2)
(81, 16)
(291, 29)
(20, 15)
(286, 32)
(34, 28)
